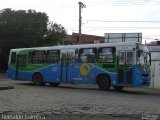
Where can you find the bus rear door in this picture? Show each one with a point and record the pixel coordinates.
(67, 65)
(21, 64)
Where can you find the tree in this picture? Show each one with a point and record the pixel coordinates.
(21, 28)
(55, 34)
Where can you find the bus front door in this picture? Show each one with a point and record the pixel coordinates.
(124, 69)
(66, 67)
(20, 66)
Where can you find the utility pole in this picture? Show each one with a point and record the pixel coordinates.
(81, 5)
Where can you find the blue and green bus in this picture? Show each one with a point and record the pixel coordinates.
(117, 65)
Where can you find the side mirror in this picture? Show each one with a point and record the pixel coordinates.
(149, 58)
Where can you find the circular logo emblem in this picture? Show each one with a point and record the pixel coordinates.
(85, 68)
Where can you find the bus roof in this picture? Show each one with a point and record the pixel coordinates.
(79, 46)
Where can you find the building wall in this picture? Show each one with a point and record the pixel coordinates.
(155, 70)
(85, 39)
(154, 48)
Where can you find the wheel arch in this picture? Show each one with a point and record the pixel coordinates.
(102, 74)
(37, 72)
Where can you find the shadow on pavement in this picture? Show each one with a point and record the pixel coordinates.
(131, 91)
(6, 87)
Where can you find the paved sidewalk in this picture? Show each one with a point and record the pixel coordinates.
(4, 86)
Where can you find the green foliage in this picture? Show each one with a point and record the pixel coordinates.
(21, 28)
(55, 34)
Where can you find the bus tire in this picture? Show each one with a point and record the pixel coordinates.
(118, 87)
(37, 79)
(54, 84)
(103, 82)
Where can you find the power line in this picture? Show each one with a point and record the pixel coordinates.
(126, 21)
(113, 28)
(121, 3)
(127, 27)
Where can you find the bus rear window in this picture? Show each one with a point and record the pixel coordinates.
(13, 58)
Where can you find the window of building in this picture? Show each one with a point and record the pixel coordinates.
(106, 54)
(87, 55)
(53, 56)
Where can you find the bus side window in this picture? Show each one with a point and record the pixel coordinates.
(22, 59)
(106, 54)
(13, 58)
(30, 60)
(88, 55)
(53, 56)
(38, 57)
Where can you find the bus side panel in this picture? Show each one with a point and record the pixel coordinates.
(25, 75)
(64, 72)
(139, 79)
(11, 72)
(83, 73)
(51, 73)
(86, 73)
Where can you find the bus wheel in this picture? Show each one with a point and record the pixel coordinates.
(118, 87)
(37, 79)
(54, 84)
(103, 82)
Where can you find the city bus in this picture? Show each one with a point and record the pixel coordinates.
(117, 65)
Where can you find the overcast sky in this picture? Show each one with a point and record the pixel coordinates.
(99, 16)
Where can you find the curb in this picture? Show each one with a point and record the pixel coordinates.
(5, 87)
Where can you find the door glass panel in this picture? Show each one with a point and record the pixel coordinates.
(122, 58)
(129, 58)
(70, 57)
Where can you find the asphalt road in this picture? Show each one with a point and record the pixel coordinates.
(70, 102)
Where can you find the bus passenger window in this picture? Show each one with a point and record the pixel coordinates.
(53, 56)
(106, 54)
(87, 55)
(37, 57)
(22, 61)
(13, 58)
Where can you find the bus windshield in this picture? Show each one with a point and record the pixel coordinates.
(143, 60)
